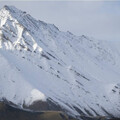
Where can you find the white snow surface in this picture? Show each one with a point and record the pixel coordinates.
(38, 61)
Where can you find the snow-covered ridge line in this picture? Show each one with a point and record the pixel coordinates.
(39, 62)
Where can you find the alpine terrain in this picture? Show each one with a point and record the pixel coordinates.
(42, 68)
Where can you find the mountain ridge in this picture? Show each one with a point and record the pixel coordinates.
(56, 65)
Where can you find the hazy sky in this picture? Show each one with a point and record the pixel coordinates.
(95, 19)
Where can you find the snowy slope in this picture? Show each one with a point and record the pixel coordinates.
(39, 62)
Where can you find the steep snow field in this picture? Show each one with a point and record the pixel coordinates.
(39, 62)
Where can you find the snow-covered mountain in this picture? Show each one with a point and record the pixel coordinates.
(38, 62)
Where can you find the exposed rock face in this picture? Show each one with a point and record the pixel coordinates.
(44, 106)
(75, 74)
(8, 112)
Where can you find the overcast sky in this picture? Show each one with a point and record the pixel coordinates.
(100, 20)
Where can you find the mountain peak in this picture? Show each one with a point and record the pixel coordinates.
(11, 9)
(8, 7)
(9, 12)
